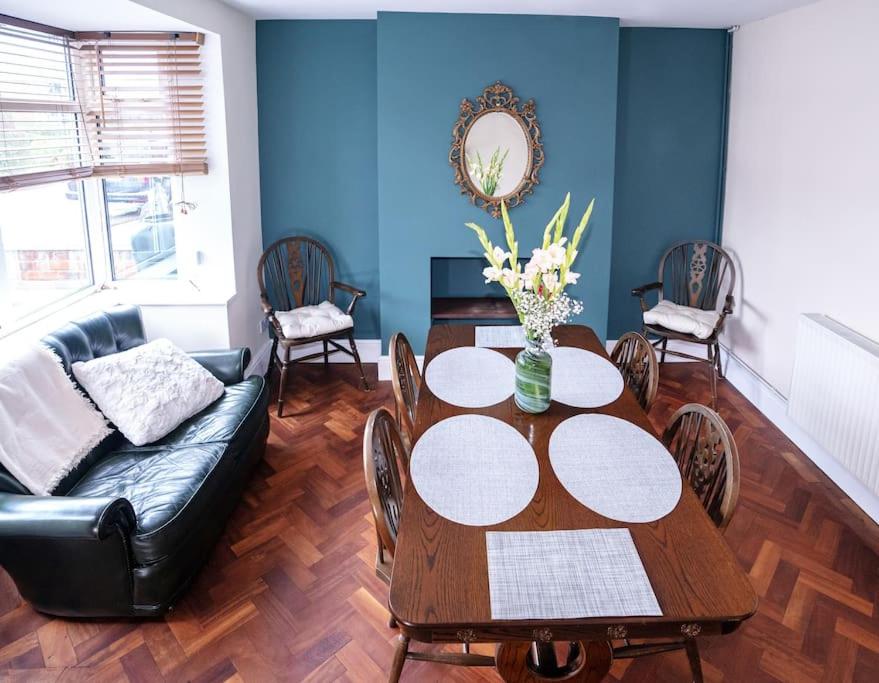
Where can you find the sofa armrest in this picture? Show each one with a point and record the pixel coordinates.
(226, 366)
(62, 517)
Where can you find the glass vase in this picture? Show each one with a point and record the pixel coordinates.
(533, 377)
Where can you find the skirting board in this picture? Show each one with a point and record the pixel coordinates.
(369, 350)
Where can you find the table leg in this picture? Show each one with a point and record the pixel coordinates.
(399, 658)
(524, 662)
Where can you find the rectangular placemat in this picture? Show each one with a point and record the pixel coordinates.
(567, 575)
(500, 336)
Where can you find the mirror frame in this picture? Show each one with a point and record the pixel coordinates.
(497, 98)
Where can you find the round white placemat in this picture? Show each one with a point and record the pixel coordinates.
(471, 377)
(474, 470)
(583, 379)
(615, 468)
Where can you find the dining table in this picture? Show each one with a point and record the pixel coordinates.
(441, 589)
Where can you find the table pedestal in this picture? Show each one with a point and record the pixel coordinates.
(581, 662)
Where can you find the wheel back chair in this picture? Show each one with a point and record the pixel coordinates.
(636, 360)
(694, 279)
(298, 294)
(406, 378)
(705, 452)
(384, 456)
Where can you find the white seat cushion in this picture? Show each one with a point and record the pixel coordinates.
(313, 321)
(682, 319)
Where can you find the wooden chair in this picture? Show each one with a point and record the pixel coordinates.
(406, 378)
(295, 273)
(383, 456)
(697, 275)
(636, 360)
(703, 447)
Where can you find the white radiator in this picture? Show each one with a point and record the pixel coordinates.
(834, 394)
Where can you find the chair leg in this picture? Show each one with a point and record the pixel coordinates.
(693, 656)
(272, 358)
(326, 354)
(662, 354)
(366, 386)
(399, 658)
(712, 372)
(282, 386)
(718, 360)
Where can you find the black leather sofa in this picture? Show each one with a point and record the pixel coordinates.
(129, 528)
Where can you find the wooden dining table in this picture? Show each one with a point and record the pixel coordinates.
(440, 587)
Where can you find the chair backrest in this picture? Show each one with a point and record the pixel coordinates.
(294, 272)
(706, 454)
(696, 274)
(636, 360)
(383, 454)
(406, 378)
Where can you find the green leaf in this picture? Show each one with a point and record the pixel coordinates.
(581, 228)
(562, 218)
(512, 245)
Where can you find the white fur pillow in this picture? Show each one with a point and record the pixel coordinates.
(149, 390)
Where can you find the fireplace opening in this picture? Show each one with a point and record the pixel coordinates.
(460, 295)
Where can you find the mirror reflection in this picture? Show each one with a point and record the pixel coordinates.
(497, 155)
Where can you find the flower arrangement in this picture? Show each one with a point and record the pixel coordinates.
(537, 291)
(489, 176)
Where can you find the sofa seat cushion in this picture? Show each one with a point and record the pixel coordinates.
(682, 319)
(222, 420)
(168, 488)
(313, 321)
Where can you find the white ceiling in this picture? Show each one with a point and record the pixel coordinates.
(93, 15)
(671, 13)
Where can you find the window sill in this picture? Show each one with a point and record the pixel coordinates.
(82, 304)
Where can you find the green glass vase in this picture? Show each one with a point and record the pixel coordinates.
(533, 377)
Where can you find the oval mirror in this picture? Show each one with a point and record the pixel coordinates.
(496, 149)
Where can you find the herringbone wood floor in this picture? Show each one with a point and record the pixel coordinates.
(290, 592)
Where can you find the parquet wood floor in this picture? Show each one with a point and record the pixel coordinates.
(290, 592)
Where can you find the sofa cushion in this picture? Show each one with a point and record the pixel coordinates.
(220, 421)
(313, 321)
(163, 486)
(682, 319)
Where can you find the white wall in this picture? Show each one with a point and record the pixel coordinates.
(802, 185)
(235, 157)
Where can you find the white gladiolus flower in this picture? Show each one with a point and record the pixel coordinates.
(541, 259)
(571, 278)
(510, 278)
(550, 281)
(491, 274)
(500, 255)
(556, 253)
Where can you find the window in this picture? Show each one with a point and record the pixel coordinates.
(140, 218)
(94, 127)
(44, 252)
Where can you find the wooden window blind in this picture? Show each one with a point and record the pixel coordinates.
(142, 95)
(42, 132)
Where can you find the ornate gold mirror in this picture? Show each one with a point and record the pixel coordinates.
(496, 149)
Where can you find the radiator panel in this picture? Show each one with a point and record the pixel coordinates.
(835, 394)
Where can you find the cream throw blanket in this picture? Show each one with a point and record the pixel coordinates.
(46, 425)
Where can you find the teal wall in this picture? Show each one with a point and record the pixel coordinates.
(670, 137)
(355, 124)
(427, 63)
(316, 91)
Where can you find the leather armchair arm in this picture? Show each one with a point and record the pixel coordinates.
(63, 517)
(227, 366)
(353, 291)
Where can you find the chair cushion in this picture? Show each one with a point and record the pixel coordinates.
(682, 319)
(313, 321)
(163, 486)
